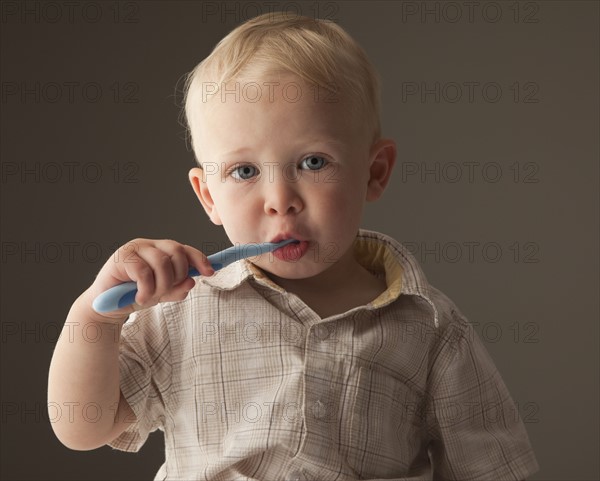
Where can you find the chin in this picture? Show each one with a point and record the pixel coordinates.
(293, 270)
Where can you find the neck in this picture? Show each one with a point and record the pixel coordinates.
(339, 275)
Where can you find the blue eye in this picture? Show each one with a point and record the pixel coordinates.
(313, 162)
(246, 171)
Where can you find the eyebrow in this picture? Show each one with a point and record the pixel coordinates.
(241, 150)
(236, 151)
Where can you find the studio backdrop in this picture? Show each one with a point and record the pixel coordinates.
(494, 108)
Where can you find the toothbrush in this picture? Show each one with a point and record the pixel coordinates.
(123, 294)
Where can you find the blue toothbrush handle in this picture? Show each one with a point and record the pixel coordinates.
(123, 295)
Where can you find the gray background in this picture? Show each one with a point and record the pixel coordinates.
(529, 210)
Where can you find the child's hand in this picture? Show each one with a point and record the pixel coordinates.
(159, 267)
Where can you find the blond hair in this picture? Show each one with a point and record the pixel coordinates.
(318, 51)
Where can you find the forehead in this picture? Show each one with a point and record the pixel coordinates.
(277, 104)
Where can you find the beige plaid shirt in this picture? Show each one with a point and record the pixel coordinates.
(248, 383)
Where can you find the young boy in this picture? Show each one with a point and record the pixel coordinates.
(331, 359)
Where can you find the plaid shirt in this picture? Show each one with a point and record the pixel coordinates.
(248, 383)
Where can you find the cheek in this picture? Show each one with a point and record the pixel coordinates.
(346, 195)
(338, 212)
(238, 212)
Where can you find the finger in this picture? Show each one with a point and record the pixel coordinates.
(179, 292)
(164, 274)
(179, 259)
(199, 260)
(139, 271)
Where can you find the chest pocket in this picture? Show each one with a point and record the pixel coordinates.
(385, 436)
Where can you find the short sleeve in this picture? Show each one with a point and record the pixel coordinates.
(145, 375)
(474, 424)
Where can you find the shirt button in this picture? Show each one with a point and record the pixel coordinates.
(321, 332)
(295, 475)
(319, 410)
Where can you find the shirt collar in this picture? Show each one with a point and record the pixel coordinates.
(380, 254)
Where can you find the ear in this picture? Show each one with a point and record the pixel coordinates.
(200, 186)
(382, 158)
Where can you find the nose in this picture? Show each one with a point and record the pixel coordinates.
(282, 196)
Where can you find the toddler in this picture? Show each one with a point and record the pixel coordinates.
(329, 359)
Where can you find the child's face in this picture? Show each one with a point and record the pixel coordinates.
(304, 171)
